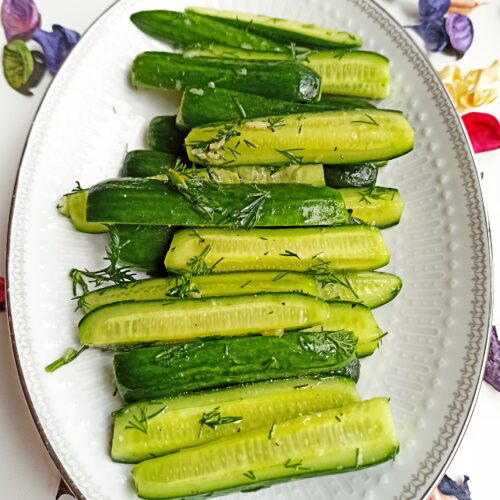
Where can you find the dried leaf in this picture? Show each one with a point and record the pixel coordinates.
(18, 64)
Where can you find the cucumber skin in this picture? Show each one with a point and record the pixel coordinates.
(146, 163)
(164, 136)
(385, 449)
(356, 175)
(180, 29)
(281, 35)
(280, 79)
(189, 367)
(258, 404)
(204, 106)
(153, 202)
(144, 247)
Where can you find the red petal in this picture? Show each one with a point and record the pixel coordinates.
(483, 130)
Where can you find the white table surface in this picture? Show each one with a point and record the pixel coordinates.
(26, 471)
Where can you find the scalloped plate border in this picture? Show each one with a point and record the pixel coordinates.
(467, 386)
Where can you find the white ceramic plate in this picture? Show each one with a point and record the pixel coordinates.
(430, 364)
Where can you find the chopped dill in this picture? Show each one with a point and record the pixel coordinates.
(291, 156)
(369, 121)
(213, 419)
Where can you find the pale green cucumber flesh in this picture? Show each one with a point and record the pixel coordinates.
(73, 206)
(212, 285)
(357, 318)
(292, 249)
(171, 424)
(329, 137)
(347, 438)
(189, 319)
(282, 30)
(371, 288)
(375, 205)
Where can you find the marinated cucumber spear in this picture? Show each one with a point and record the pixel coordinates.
(201, 106)
(147, 429)
(144, 163)
(192, 202)
(282, 30)
(352, 248)
(181, 29)
(353, 436)
(343, 72)
(370, 288)
(164, 136)
(286, 80)
(331, 137)
(154, 372)
(174, 320)
(355, 175)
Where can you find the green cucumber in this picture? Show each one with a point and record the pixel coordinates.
(332, 137)
(356, 318)
(357, 175)
(201, 106)
(354, 248)
(157, 164)
(147, 163)
(144, 247)
(282, 30)
(164, 136)
(350, 73)
(376, 205)
(351, 437)
(174, 423)
(73, 205)
(180, 29)
(371, 288)
(154, 372)
(286, 80)
(200, 203)
(180, 320)
(212, 285)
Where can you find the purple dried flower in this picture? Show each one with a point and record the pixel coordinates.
(434, 34)
(460, 32)
(19, 18)
(56, 45)
(492, 372)
(429, 9)
(449, 487)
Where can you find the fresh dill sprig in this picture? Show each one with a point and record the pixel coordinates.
(275, 122)
(77, 188)
(325, 275)
(248, 216)
(197, 264)
(370, 120)
(213, 419)
(376, 193)
(223, 135)
(70, 355)
(288, 253)
(120, 276)
(291, 156)
(297, 465)
(141, 423)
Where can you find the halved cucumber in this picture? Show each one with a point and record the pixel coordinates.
(371, 288)
(151, 429)
(351, 73)
(212, 285)
(332, 137)
(155, 372)
(376, 205)
(282, 30)
(338, 440)
(294, 249)
(183, 320)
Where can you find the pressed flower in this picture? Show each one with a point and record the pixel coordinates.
(476, 88)
(483, 130)
(56, 45)
(19, 18)
(433, 32)
(18, 64)
(460, 32)
(433, 8)
(492, 372)
(464, 7)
